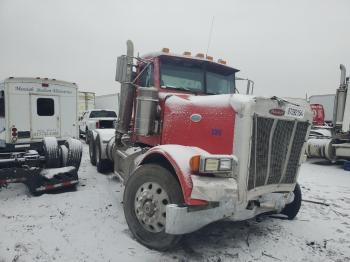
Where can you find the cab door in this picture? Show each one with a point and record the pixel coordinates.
(45, 116)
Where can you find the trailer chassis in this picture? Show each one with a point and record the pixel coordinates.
(57, 168)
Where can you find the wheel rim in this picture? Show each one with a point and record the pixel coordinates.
(150, 205)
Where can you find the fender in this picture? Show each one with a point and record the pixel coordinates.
(105, 135)
(179, 158)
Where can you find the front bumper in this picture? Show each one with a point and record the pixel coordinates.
(183, 219)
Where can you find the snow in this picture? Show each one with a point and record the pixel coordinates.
(89, 225)
(51, 172)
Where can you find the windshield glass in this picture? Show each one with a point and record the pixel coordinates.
(197, 76)
(103, 113)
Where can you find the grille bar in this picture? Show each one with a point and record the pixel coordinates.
(288, 153)
(276, 146)
(272, 132)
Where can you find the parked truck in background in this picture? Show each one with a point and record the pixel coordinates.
(191, 151)
(333, 142)
(327, 102)
(34, 108)
(110, 102)
(86, 101)
(97, 118)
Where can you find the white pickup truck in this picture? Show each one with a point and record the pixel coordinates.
(96, 118)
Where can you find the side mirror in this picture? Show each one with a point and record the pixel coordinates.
(122, 68)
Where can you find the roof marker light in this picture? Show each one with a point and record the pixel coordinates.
(209, 57)
(200, 55)
(165, 50)
(221, 61)
(187, 53)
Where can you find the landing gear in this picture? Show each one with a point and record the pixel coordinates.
(147, 192)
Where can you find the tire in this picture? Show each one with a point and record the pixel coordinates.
(63, 155)
(291, 210)
(92, 151)
(75, 150)
(87, 136)
(51, 152)
(102, 165)
(157, 176)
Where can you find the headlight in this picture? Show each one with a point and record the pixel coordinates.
(211, 164)
(225, 164)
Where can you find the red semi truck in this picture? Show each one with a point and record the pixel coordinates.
(191, 150)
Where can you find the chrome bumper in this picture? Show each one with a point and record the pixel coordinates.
(182, 220)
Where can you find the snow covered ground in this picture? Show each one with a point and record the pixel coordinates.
(89, 225)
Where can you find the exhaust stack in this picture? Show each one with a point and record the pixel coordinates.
(340, 99)
(342, 75)
(127, 93)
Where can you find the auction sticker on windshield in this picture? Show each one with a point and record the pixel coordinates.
(294, 111)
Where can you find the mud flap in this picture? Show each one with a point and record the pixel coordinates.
(55, 178)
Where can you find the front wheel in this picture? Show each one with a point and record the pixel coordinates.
(147, 192)
(291, 210)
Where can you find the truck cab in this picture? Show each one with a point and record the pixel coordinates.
(175, 76)
(190, 150)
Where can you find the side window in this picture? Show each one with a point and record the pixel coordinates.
(2, 103)
(45, 106)
(146, 79)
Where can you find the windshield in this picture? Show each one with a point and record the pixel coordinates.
(197, 76)
(103, 113)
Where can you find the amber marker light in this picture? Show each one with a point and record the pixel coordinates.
(165, 50)
(194, 163)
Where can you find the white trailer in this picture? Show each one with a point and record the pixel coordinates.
(110, 102)
(34, 108)
(86, 101)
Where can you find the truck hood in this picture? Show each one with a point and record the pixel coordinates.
(249, 104)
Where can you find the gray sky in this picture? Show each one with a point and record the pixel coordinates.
(289, 48)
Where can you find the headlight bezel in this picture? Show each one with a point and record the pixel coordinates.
(214, 164)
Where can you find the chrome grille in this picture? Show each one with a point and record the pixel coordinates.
(275, 151)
